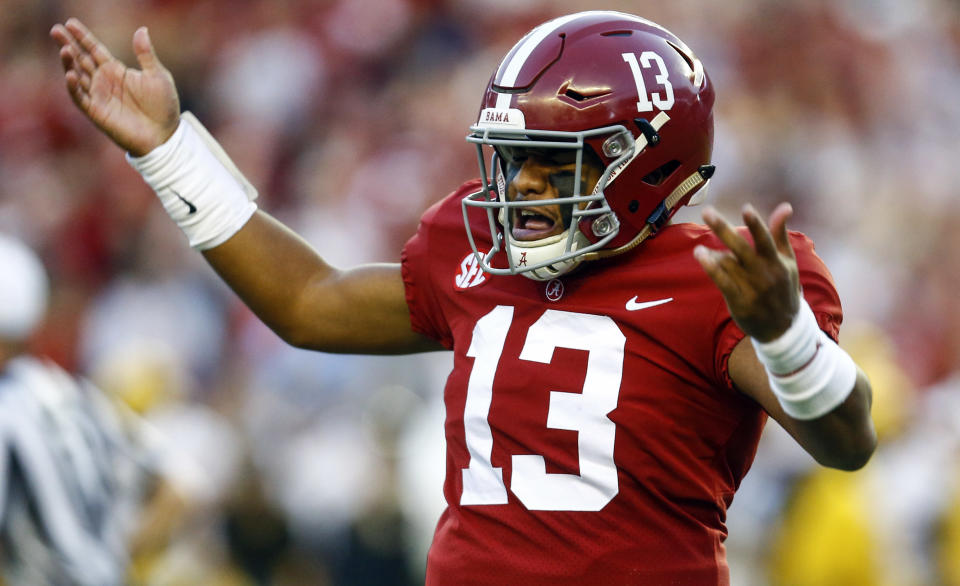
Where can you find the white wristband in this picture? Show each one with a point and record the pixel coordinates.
(198, 184)
(808, 372)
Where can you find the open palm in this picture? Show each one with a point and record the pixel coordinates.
(137, 109)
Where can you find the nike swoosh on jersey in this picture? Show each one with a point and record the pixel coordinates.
(634, 305)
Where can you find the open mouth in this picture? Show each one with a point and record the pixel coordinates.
(530, 224)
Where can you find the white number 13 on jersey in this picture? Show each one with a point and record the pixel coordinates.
(585, 412)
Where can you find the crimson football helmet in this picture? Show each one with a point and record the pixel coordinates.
(604, 86)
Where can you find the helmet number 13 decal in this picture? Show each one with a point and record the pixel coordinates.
(645, 101)
(585, 412)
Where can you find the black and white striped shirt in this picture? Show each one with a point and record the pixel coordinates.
(70, 477)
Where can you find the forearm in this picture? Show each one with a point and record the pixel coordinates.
(270, 268)
(845, 437)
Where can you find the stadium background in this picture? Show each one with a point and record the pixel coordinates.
(350, 116)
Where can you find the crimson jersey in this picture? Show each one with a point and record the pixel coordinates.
(593, 432)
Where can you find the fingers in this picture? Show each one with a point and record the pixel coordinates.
(67, 58)
(60, 34)
(143, 48)
(78, 81)
(727, 234)
(82, 65)
(88, 42)
(81, 55)
(762, 238)
(78, 66)
(73, 55)
(720, 266)
(82, 51)
(77, 90)
(768, 241)
(778, 226)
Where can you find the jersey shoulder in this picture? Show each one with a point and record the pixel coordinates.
(441, 236)
(437, 255)
(448, 211)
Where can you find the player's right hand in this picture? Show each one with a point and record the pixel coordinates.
(137, 108)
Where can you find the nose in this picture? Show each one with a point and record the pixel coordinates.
(531, 181)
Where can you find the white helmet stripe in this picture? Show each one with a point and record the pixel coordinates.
(511, 67)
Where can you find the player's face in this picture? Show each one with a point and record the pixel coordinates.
(534, 175)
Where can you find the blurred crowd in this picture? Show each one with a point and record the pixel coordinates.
(349, 115)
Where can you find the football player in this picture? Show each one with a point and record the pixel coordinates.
(612, 371)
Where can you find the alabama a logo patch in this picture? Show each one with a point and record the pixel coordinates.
(470, 273)
(553, 290)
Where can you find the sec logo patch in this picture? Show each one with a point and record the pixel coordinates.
(470, 274)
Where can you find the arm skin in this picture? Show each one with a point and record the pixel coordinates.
(279, 276)
(311, 304)
(843, 438)
(761, 287)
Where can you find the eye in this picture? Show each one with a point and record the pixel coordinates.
(511, 156)
(562, 158)
(565, 183)
(516, 161)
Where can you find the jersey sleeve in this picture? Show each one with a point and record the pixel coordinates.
(426, 316)
(727, 334)
(818, 289)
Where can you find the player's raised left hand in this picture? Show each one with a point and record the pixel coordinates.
(137, 108)
(759, 282)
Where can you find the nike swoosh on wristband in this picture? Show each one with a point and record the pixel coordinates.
(191, 209)
(634, 305)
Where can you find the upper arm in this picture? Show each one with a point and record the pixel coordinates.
(843, 438)
(361, 310)
(308, 302)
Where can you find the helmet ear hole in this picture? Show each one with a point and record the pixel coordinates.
(661, 173)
